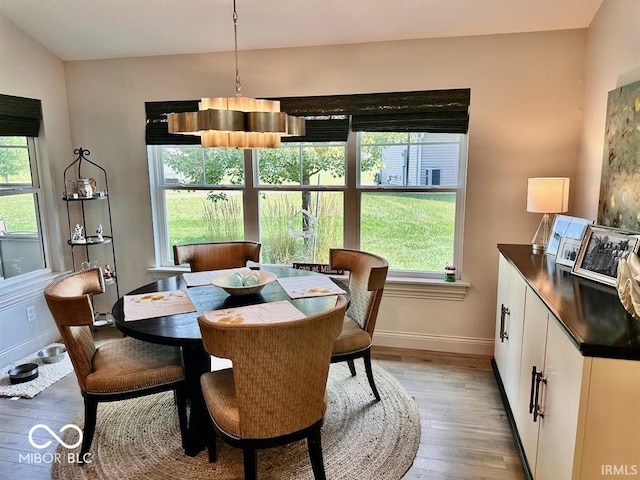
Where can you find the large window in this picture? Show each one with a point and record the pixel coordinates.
(383, 173)
(295, 202)
(21, 239)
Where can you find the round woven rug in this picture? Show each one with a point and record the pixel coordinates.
(361, 439)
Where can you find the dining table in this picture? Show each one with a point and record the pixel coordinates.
(182, 329)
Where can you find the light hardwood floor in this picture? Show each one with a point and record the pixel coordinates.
(465, 433)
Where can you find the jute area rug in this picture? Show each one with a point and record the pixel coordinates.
(361, 439)
(48, 374)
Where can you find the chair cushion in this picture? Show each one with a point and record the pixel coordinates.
(128, 365)
(352, 338)
(219, 393)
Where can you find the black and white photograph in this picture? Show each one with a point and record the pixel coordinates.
(600, 252)
(568, 251)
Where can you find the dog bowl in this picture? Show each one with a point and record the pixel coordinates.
(23, 373)
(52, 354)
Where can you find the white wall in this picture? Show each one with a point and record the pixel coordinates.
(612, 61)
(29, 70)
(526, 100)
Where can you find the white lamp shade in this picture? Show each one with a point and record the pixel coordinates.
(548, 195)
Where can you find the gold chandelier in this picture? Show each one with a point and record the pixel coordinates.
(237, 122)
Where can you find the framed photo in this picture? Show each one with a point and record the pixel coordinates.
(576, 228)
(568, 251)
(600, 251)
(560, 224)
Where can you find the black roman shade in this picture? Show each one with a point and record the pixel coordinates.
(329, 117)
(441, 111)
(157, 129)
(19, 116)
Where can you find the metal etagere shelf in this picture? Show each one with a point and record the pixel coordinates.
(80, 191)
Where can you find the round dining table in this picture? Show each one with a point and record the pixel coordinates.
(182, 330)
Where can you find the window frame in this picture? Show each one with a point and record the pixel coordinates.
(352, 195)
(36, 190)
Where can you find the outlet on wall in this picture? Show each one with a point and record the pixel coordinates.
(31, 313)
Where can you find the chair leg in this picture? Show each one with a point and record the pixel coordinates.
(180, 398)
(250, 460)
(211, 442)
(314, 444)
(90, 415)
(352, 367)
(367, 365)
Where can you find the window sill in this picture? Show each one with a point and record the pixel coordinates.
(426, 288)
(398, 287)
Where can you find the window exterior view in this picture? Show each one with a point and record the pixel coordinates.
(21, 239)
(403, 191)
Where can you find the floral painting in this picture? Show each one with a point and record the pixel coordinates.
(619, 204)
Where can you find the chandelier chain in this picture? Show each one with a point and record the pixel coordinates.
(235, 49)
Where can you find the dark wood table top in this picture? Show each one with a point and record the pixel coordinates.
(590, 312)
(183, 329)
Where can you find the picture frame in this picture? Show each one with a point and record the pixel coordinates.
(568, 251)
(600, 250)
(560, 224)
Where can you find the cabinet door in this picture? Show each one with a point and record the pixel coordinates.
(509, 324)
(500, 343)
(536, 318)
(560, 403)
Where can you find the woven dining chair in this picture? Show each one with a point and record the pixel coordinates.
(117, 370)
(275, 392)
(367, 275)
(202, 257)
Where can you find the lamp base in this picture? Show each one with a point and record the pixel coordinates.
(538, 248)
(541, 237)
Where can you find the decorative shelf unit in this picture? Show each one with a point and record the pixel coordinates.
(85, 202)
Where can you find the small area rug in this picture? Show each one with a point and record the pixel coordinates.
(48, 374)
(361, 439)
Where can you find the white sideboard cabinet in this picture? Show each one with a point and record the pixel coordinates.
(509, 323)
(576, 410)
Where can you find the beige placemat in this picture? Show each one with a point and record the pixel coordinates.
(271, 312)
(159, 304)
(309, 286)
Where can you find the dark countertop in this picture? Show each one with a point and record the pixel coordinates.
(590, 312)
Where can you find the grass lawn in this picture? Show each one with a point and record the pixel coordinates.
(414, 231)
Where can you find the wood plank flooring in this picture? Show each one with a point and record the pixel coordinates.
(465, 433)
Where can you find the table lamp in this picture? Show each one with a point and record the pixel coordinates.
(546, 195)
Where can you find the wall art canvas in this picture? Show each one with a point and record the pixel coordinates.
(619, 204)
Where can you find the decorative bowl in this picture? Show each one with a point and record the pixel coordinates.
(23, 373)
(52, 354)
(222, 279)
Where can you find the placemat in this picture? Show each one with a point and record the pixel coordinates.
(159, 304)
(263, 313)
(309, 286)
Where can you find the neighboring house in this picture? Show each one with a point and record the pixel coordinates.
(433, 162)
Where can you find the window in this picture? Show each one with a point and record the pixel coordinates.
(21, 238)
(354, 181)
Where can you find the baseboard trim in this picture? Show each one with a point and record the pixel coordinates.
(438, 343)
(29, 346)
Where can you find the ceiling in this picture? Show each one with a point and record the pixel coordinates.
(97, 29)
